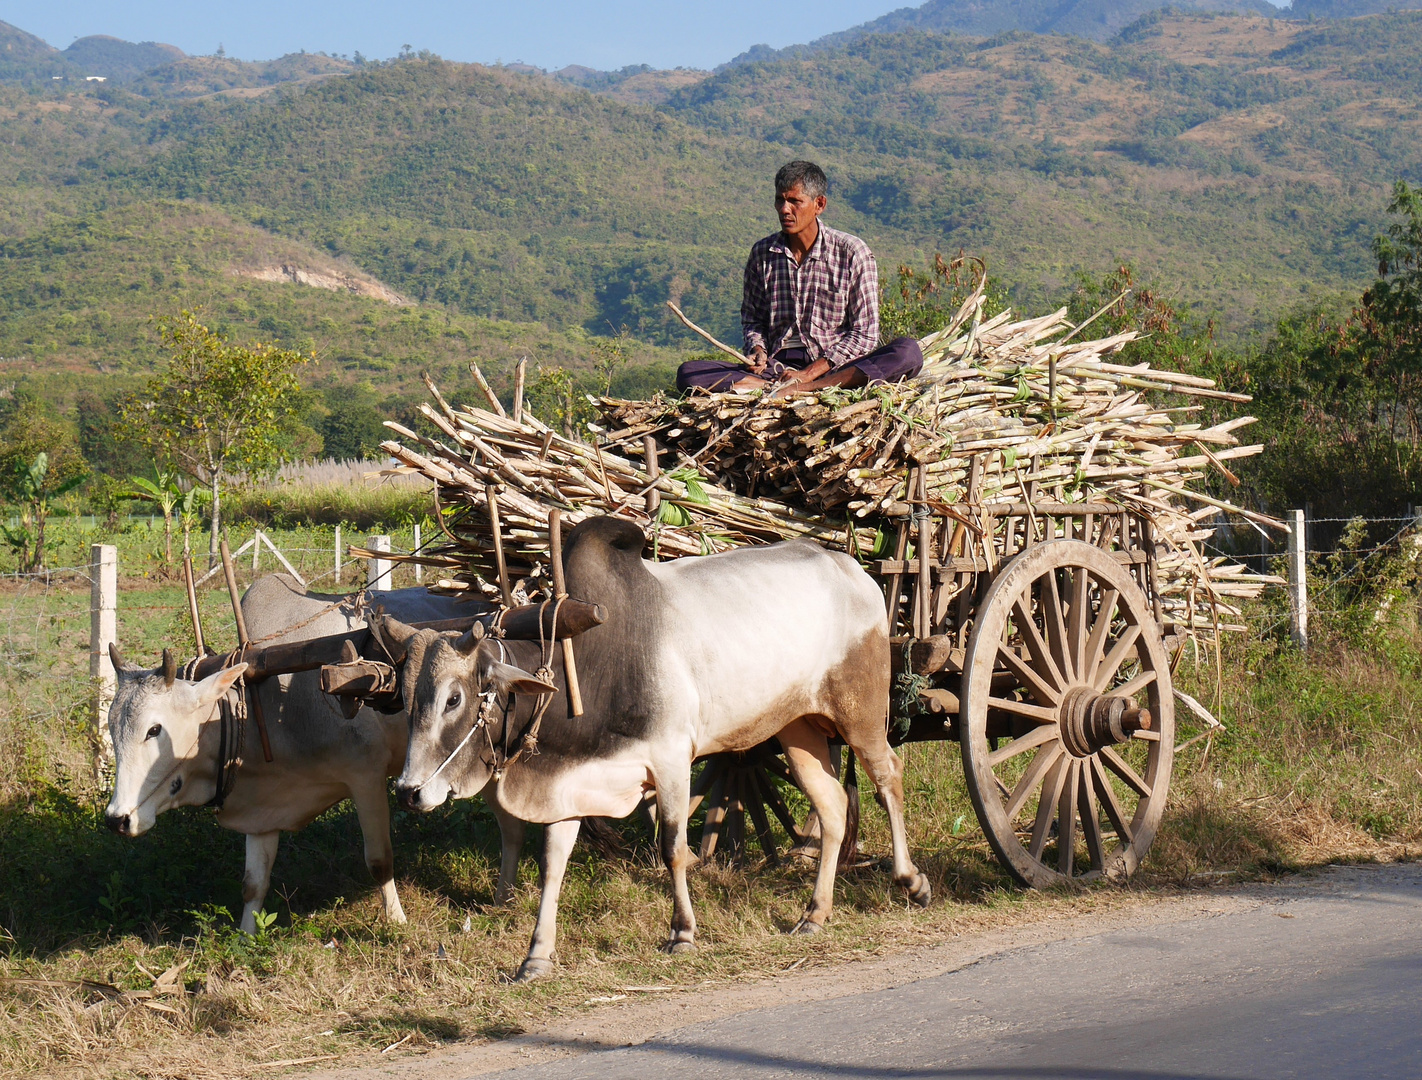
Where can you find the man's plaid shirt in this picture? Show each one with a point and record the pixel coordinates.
(830, 301)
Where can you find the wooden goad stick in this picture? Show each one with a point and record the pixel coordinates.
(555, 553)
(242, 640)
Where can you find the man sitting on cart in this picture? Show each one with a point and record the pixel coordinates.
(810, 311)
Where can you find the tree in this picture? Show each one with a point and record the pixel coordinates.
(352, 428)
(1385, 331)
(215, 408)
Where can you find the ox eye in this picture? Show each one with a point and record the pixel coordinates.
(154, 731)
(453, 702)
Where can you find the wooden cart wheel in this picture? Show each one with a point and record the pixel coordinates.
(737, 786)
(1067, 675)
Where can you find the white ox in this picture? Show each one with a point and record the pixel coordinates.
(697, 656)
(166, 743)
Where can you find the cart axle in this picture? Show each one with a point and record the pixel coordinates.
(1090, 721)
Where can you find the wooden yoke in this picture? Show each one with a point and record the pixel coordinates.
(560, 593)
(242, 640)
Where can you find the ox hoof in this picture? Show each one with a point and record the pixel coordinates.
(805, 926)
(920, 891)
(679, 948)
(533, 969)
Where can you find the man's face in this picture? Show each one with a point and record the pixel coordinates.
(797, 210)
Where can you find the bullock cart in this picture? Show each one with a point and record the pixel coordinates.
(1026, 505)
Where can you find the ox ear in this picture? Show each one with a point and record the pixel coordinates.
(170, 667)
(393, 635)
(469, 640)
(213, 688)
(507, 679)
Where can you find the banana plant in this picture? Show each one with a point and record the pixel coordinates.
(30, 486)
(166, 493)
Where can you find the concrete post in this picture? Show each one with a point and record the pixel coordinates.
(103, 632)
(419, 570)
(378, 571)
(338, 554)
(1298, 580)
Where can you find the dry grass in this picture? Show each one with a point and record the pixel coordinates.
(1321, 763)
(334, 493)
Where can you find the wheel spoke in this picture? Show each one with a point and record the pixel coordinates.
(1111, 803)
(778, 808)
(1043, 691)
(1135, 685)
(1066, 819)
(1044, 760)
(1113, 761)
(1116, 657)
(1041, 655)
(1100, 631)
(1056, 625)
(1076, 624)
(1035, 737)
(1091, 820)
(1047, 808)
(1022, 708)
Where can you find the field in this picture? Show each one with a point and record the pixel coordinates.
(1321, 762)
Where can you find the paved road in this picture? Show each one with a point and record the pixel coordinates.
(1323, 980)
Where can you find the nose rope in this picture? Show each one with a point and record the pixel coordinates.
(485, 707)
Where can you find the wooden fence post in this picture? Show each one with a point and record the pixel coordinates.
(1298, 580)
(338, 554)
(419, 570)
(103, 632)
(378, 571)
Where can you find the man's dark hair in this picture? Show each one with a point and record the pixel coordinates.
(807, 174)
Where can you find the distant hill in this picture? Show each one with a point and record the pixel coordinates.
(151, 69)
(78, 297)
(24, 56)
(119, 60)
(1098, 20)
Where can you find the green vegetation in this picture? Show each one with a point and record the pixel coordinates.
(217, 409)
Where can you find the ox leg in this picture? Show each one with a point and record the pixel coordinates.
(807, 751)
(372, 804)
(511, 830)
(257, 878)
(887, 773)
(558, 841)
(673, 797)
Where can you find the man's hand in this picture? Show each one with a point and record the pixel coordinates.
(808, 373)
(758, 359)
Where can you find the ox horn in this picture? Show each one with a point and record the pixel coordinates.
(393, 635)
(469, 640)
(170, 667)
(116, 658)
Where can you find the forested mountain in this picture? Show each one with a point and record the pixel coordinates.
(1240, 163)
(150, 68)
(1099, 20)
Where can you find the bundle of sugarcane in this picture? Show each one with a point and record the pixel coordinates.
(1031, 413)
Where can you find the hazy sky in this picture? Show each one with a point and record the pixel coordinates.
(548, 33)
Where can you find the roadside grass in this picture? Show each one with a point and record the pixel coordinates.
(1321, 761)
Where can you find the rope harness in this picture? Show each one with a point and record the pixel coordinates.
(232, 731)
(502, 755)
(232, 710)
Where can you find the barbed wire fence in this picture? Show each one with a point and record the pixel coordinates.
(1333, 568)
(56, 626)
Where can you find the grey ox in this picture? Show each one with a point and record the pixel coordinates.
(166, 741)
(697, 656)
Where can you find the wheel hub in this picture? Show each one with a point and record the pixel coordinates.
(1089, 720)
